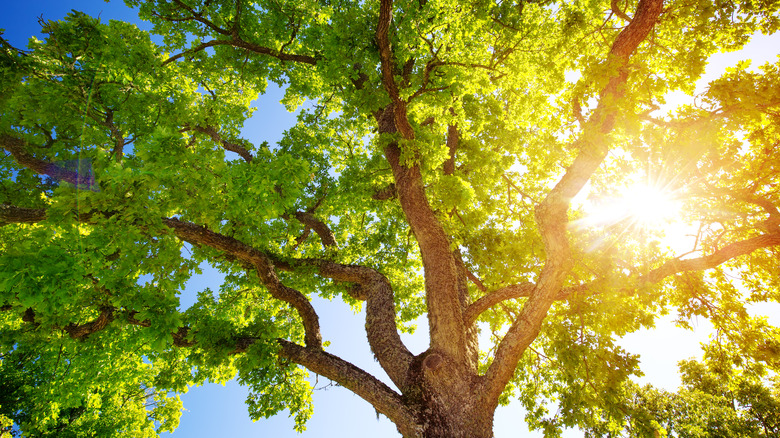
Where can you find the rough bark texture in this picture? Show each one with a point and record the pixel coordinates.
(384, 399)
(381, 329)
(12, 214)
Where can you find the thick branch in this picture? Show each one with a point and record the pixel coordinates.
(107, 315)
(319, 227)
(179, 336)
(372, 286)
(82, 331)
(445, 322)
(116, 134)
(200, 235)
(384, 399)
(10, 214)
(18, 149)
(184, 230)
(453, 138)
(263, 266)
(381, 328)
(398, 107)
(472, 332)
(677, 266)
(672, 267)
(447, 330)
(724, 254)
(619, 12)
(230, 146)
(385, 193)
(772, 224)
(385, 50)
(551, 214)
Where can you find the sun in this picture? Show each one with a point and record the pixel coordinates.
(638, 206)
(641, 209)
(648, 205)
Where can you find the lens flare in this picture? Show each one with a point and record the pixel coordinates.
(640, 209)
(649, 206)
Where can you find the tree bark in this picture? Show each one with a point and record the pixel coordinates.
(448, 400)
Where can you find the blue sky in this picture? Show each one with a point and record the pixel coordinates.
(215, 410)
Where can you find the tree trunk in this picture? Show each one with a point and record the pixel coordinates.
(445, 396)
(455, 423)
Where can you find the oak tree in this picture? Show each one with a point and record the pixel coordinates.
(454, 161)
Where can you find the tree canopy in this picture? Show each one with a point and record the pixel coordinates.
(464, 162)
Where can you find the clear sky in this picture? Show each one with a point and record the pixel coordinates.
(215, 410)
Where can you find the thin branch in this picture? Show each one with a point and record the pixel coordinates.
(518, 190)
(197, 16)
(10, 50)
(477, 282)
(237, 19)
(577, 110)
(256, 48)
(302, 238)
(505, 293)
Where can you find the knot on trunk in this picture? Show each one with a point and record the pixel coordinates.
(433, 361)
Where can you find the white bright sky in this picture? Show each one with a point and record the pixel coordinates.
(216, 410)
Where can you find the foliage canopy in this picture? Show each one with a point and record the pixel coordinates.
(435, 173)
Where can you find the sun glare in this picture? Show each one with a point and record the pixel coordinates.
(637, 204)
(649, 206)
(639, 207)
